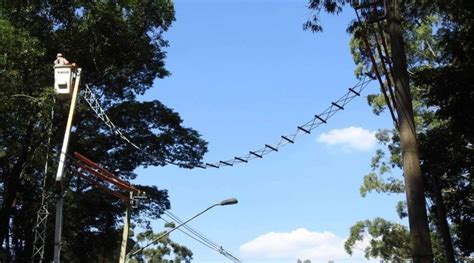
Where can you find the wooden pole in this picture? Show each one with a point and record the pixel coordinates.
(126, 227)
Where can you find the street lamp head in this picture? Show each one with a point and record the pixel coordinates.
(230, 201)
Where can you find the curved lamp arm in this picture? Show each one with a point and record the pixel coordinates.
(230, 201)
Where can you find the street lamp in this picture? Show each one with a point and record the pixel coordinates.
(230, 201)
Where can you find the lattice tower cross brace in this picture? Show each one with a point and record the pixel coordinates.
(40, 232)
(43, 212)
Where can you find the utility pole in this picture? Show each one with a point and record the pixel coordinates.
(418, 220)
(65, 77)
(100, 173)
(126, 228)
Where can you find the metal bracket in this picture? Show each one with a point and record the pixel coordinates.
(373, 6)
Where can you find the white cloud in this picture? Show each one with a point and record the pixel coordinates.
(351, 137)
(299, 243)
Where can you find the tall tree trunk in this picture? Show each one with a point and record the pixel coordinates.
(12, 185)
(418, 220)
(441, 221)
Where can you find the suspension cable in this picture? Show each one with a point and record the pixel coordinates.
(387, 74)
(385, 71)
(389, 63)
(374, 65)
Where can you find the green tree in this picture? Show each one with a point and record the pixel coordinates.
(438, 37)
(162, 250)
(121, 49)
(388, 241)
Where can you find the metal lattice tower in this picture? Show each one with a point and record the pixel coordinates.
(40, 231)
(94, 104)
(43, 212)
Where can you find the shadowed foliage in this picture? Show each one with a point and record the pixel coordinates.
(121, 49)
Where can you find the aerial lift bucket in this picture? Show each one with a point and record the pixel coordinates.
(64, 80)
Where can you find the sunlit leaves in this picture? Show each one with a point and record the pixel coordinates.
(162, 250)
(388, 241)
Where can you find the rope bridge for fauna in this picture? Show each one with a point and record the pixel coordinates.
(284, 140)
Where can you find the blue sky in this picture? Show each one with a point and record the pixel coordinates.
(244, 73)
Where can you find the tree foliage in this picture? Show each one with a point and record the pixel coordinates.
(164, 250)
(121, 49)
(438, 41)
(388, 241)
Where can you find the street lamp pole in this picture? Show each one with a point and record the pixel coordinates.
(230, 201)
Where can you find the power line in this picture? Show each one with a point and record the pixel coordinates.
(194, 234)
(201, 236)
(204, 241)
(179, 221)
